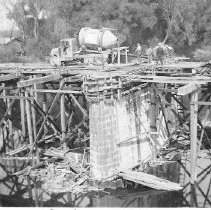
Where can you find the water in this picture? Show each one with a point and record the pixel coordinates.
(15, 191)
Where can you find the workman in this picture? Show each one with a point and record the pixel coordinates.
(160, 53)
(149, 53)
(138, 53)
(114, 55)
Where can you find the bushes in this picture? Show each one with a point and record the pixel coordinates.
(38, 48)
(203, 55)
(9, 56)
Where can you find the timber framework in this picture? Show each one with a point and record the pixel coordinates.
(105, 113)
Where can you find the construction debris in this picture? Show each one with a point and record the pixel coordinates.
(57, 143)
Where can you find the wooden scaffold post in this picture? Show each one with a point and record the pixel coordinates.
(63, 121)
(193, 134)
(44, 106)
(153, 119)
(22, 107)
(29, 120)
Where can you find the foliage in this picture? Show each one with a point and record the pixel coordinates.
(186, 25)
(9, 56)
(203, 55)
(39, 48)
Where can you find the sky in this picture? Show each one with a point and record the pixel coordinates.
(5, 24)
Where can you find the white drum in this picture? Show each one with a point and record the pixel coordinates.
(94, 38)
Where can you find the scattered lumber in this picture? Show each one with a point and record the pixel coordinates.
(69, 157)
(21, 149)
(149, 180)
(28, 168)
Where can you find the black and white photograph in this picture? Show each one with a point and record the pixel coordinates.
(105, 103)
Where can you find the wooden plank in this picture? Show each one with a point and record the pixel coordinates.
(17, 97)
(186, 89)
(8, 109)
(57, 91)
(201, 103)
(172, 81)
(72, 79)
(149, 180)
(38, 80)
(168, 90)
(198, 78)
(6, 88)
(9, 77)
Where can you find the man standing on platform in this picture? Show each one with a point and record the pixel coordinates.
(149, 53)
(160, 53)
(138, 52)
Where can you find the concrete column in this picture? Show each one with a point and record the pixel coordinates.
(104, 155)
(119, 134)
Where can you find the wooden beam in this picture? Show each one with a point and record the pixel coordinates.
(38, 80)
(57, 91)
(206, 79)
(6, 88)
(167, 103)
(9, 77)
(63, 120)
(118, 56)
(186, 89)
(22, 109)
(193, 135)
(17, 97)
(169, 81)
(8, 109)
(201, 103)
(29, 122)
(49, 110)
(72, 79)
(173, 90)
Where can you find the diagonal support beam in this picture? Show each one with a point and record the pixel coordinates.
(167, 103)
(9, 108)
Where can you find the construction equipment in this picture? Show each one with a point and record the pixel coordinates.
(94, 47)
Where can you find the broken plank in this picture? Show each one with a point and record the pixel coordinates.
(149, 180)
(21, 149)
(28, 168)
(38, 80)
(186, 89)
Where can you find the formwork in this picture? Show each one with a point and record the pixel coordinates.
(114, 117)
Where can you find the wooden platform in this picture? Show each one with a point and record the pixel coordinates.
(66, 84)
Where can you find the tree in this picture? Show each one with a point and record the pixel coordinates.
(169, 12)
(17, 13)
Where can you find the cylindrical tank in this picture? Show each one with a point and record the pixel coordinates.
(94, 38)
